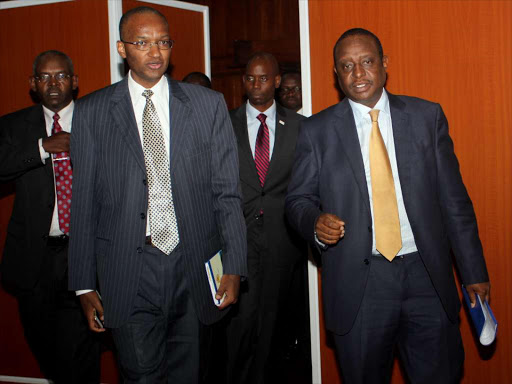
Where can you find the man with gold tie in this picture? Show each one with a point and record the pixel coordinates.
(376, 186)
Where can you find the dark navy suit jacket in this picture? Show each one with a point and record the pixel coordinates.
(329, 177)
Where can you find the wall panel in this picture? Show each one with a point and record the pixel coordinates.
(457, 53)
(80, 29)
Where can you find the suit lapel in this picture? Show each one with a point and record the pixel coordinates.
(179, 113)
(345, 127)
(279, 141)
(244, 148)
(124, 117)
(402, 139)
(37, 124)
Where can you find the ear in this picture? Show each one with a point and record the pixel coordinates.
(74, 82)
(278, 81)
(121, 50)
(32, 83)
(385, 61)
(335, 71)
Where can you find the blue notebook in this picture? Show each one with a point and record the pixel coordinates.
(483, 319)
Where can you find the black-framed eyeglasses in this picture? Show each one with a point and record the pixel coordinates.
(143, 45)
(45, 77)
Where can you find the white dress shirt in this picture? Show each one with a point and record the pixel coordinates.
(65, 117)
(253, 125)
(160, 100)
(364, 128)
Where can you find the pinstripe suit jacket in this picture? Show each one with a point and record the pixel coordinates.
(110, 196)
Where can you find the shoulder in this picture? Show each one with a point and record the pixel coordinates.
(98, 96)
(22, 114)
(289, 115)
(323, 117)
(414, 105)
(196, 94)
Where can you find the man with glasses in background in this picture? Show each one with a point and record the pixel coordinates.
(34, 152)
(290, 92)
(155, 196)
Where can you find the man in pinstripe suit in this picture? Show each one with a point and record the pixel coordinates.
(153, 300)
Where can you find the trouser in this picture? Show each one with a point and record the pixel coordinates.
(400, 311)
(55, 327)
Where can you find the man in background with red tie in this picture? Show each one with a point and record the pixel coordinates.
(266, 135)
(376, 184)
(34, 152)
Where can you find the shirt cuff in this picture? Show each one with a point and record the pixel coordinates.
(42, 152)
(83, 291)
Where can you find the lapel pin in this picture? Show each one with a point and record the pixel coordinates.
(281, 122)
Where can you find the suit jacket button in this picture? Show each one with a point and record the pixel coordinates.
(366, 261)
(143, 216)
(370, 228)
(262, 193)
(139, 250)
(144, 181)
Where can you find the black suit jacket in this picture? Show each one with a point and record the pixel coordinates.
(35, 196)
(329, 177)
(284, 244)
(110, 195)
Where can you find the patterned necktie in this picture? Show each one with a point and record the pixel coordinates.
(385, 208)
(262, 150)
(63, 177)
(162, 218)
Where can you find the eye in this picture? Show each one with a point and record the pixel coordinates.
(367, 62)
(263, 79)
(249, 78)
(164, 43)
(60, 76)
(347, 66)
(44, 77)
(141, 43)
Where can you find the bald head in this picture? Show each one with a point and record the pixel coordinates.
(266, 57)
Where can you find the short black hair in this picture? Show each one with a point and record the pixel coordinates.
(137, 11)
(264, 56)
(200, 77)
(358, 32)
(53, 53)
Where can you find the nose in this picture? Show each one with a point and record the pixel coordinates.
(257, 83)
(52, 80)
(358, 71)
(154, 51)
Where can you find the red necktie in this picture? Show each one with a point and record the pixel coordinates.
(63, 177)
(261, 153)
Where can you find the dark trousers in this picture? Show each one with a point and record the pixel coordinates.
(255, 328)
(400, 311)
(160, 343)
(55, 327)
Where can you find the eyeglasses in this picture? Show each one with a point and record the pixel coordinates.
(45, 77)
(289, 90)
(143, 45)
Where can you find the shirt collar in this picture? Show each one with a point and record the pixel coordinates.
(65, 114)
(360, 110)
(252, 113)
(136, 89)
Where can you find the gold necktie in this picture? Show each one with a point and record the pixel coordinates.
(385, 208)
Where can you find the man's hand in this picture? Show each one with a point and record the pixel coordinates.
(329, 228)
(229, 285)
(91, 305)
(57, 143)
(481, 289)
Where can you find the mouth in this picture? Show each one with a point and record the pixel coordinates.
(155, 66)
(361, 87)
(54, 94)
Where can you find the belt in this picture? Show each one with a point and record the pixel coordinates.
(57, 241)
